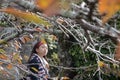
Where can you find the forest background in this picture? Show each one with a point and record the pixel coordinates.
(82, 35)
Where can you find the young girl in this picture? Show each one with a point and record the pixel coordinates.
(37, 62)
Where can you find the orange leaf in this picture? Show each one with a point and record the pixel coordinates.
(1, 63)
(3, 56)
(25, 38)
(49, 7)
(38, 29)
(9, 66)
(53, 7)
(117, 52)
(44, 4)
(17, 45)
(108, 8)
(28, 16)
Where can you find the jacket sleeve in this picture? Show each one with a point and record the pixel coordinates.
(36, 67)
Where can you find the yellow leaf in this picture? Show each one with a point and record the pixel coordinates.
(34, 69)
(2, 51)
(115, 65)
(43, 41)
(2, 41)
(26, 57)
(54, 56)
(19, 61)
(54, 37)
(100, 63)
(108, 8)
(17, 57)
(28, 16)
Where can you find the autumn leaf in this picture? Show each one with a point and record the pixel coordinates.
(117, 51)
(48, 7)
(19, 61)
(25, 38)
(59, 20)
(38, 29)
(65, 78)
(115, 65)
(53, 7)
(3, 56)
(1, 63)
(108, 8)
(54, 37)
(54, 56)
(22, 40)
(17, 45)
(26, 57)
(1, 68)
(44, 4)
(9, 66)
(100, 63)
(2, 51)
(28, 16)
(33, 68)
(17, 57)
(43, 41)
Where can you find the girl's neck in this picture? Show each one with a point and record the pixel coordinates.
(40, 55)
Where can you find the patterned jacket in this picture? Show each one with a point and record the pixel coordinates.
(36, 66)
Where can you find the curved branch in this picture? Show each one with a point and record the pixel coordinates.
(107, 31)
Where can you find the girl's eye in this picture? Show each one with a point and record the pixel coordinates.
(42, 46)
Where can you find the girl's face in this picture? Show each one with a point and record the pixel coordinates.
(42, 50)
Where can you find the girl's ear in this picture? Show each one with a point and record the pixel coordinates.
(36, 49)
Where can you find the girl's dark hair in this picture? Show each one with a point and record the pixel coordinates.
(37, 45)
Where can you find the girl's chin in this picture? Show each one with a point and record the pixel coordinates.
(45, 54)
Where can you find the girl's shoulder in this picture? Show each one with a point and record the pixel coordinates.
(34, 58)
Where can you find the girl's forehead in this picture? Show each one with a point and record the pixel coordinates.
(44, 45)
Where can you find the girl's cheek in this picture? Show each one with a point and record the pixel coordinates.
(46, 51)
